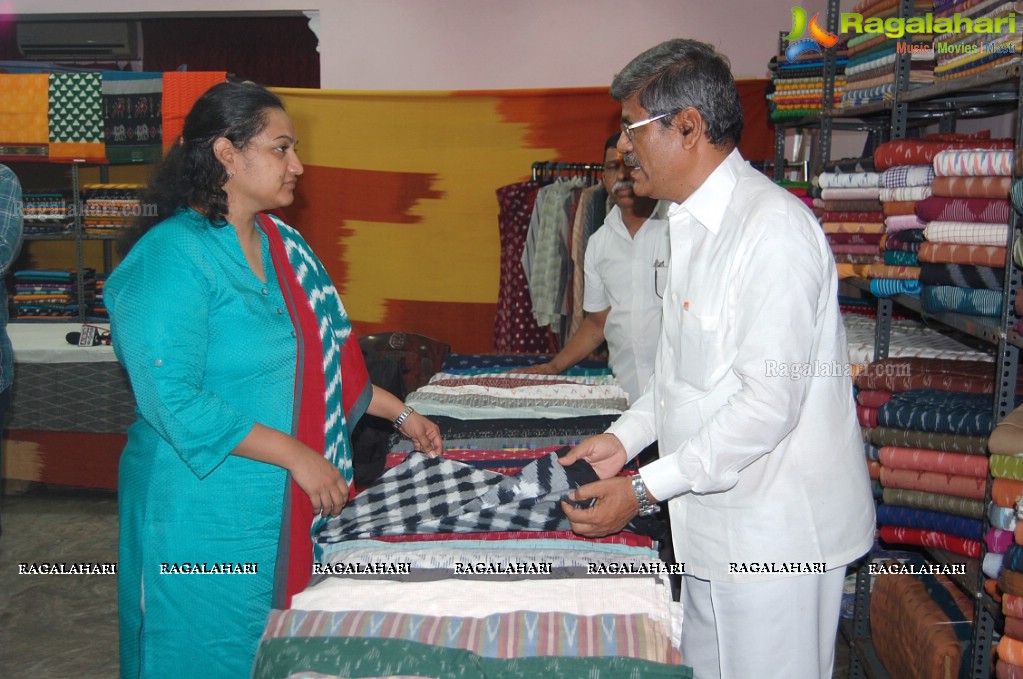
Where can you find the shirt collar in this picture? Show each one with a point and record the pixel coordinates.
(708, 203)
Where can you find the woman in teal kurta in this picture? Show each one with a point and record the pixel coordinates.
(205, 329)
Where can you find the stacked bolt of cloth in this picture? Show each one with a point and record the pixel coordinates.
(970, 209)
(903, 185)
(933, 489)
(1006, 447)
(870, 71)
(853, 226)
(972, 51)
(797, 85)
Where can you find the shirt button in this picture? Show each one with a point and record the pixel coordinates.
(265, 291)
(158, 362)
(280, 311)
(294, 334)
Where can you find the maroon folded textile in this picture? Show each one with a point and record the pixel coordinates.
(984, 210)
(906, 374)
(855, 238)
(922, 151)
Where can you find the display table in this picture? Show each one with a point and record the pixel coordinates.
(70, 409)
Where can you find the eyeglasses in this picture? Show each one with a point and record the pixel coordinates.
(627, 128)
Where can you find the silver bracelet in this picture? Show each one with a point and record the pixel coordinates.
(401, 418)
(646, 507)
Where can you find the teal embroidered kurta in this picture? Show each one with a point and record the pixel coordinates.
(210, 350)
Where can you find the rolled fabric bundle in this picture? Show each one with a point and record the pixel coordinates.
(973, 163)
(1006, 670)
(920, 459)
(834, 180)
(1010, 650)
(849, 238)
(1006, 466)
(998, 540)
(853, 227)
(907, 175)
(873, 398)
(1012, 605)
(1017, 534)
(1001, 517)
(1014, 627)
(874, 469)
(905, 193)
(912, 438)
(1016, 193)
(992, 564)
(1006, 492)
(909, 240)
(1010, 582)
(962, 275)
(985, 210)
(908, 517)
(847, 216)
(970, 301)
(873, 205)
(971, 187)
(924, 538)
(922, 151)
(1013, 558)
(895, 223)
(900, 258)
(889, 287)
(862, 193)
(958, 253)
(902, 273)
(934, 482)
(936, 502)
(967, 232)
(867, 416)
(892, 208)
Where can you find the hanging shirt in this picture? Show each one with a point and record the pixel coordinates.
(752, 400)
(628, 275)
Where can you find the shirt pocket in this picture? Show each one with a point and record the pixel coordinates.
(699, 352)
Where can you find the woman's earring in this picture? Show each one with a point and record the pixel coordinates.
(230, 174)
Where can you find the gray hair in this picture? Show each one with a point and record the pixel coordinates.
(681, 73)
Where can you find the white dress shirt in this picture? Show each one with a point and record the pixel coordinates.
(628, 274)
(752, 402)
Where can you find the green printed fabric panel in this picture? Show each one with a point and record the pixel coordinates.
(364, 657)
(1007, 467)
(76, 108)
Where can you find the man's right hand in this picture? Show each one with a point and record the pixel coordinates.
(538, 369)
(604, 452)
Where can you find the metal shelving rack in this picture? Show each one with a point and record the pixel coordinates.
(78, 235)
(991, 93)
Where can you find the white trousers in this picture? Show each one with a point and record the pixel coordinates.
(782, 628)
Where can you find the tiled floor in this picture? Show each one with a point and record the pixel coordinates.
(65, 626)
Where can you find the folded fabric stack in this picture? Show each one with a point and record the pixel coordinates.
(972, 52)
(870, 72)
(467, 566)
(45, 214)
(482, 390)
(49, 294)
(903, 185)
(850, 214)
(929, 420)
(109, 208)
(1016, 198)
(971, 187)
(1006, 447)
(797, 86)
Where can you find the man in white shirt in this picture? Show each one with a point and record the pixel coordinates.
(625, 268)
(751, 403)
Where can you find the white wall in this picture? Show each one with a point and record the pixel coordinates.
(490, 44)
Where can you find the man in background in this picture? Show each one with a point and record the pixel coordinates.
(625, 267)
(11, 217)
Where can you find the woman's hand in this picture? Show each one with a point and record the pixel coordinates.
(321, 481)
(425, 434)
(537, 369)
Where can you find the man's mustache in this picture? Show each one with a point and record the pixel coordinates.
(621, 185)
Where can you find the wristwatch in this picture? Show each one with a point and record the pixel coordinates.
(646, 507)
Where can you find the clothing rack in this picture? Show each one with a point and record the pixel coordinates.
(546, 172)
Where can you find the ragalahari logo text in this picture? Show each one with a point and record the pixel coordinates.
(818, 41)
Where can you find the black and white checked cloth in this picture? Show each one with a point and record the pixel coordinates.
(436, 495)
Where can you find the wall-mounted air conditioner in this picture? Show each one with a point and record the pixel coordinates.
(79, 40)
